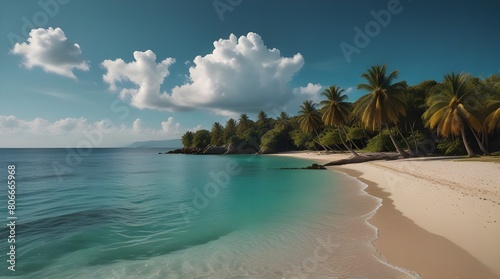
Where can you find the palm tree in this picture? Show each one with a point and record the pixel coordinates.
(310, 120)
(283, 121)
(448, 112)
(383, 105)
(263, 122)
(230, 130)
(244, 123)
(217, 134)
(336, 111)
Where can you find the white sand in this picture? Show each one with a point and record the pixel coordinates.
(459, 200)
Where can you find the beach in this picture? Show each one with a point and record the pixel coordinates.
(440, 216)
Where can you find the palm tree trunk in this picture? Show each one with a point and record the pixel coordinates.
(404, 139)
(346, 146)
(399, 149)
(414, 138)
(481, 146)
(340, 149)
(347, 137)
(467, 147)
(317, 136)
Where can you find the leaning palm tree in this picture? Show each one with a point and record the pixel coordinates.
(336, 112)
(310, 120)
(383, 105)
(448, 112)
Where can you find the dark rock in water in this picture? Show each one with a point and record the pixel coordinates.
(315, 167)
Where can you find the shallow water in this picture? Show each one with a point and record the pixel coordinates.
(131, 213)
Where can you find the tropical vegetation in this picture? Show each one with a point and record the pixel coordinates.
(457, 116)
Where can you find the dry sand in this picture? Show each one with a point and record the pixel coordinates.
(440, 216)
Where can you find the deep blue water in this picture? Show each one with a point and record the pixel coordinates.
(132, 213)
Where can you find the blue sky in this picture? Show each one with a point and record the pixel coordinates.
(56, 91)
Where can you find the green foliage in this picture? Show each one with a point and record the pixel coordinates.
(452, 108)
(310, 145)
(383, 104)
(309, 118)
(201, 139)
(419, 137)
(356, 133)
(330, 138)
(335, 109)
(230, 130)
(270, 142)
(451, 147)
(283, 122)
(380, 143)
(252, 137)
(235, 140)
(263, 123)
(217, 134)
(244, 123)
(299, 138)
(187, 139)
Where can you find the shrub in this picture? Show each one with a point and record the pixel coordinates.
(380, 143)
(451, 147)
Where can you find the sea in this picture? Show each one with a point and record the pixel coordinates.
(135, 213)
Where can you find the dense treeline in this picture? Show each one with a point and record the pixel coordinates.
(460, 115)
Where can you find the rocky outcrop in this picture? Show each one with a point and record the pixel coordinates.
(190, 150)
(209, 150)
(215, 150)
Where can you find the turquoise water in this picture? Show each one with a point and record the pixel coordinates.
(132, 213)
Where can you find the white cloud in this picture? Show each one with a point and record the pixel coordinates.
(170, 127)
(309, 92)
(310, 89)
(52, 51)
(240, 75)
(137, 125)
(69, 125)
(145, 73)
(70, 131)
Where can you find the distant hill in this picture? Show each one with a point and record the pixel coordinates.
(174, 143)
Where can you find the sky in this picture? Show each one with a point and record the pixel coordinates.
(76, 73)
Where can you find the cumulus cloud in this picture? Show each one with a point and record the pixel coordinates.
(309, 90)
(70, 131)
(50, 50)
(240, 75)
(170, 127)
(146, 74)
